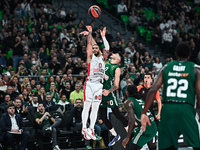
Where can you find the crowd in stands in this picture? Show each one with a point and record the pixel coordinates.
(163, 22)
(43, 56)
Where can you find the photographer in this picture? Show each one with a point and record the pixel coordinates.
(45, 120)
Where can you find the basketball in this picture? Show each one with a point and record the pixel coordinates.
(94, 11)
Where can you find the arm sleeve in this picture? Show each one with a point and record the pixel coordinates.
(106, 44)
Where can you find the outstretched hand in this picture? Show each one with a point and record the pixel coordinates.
(124, 142)
(89, 28)
(144, 121)
(84, 33)
(103, 32)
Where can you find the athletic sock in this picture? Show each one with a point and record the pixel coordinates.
(126, 128)
(113, 132)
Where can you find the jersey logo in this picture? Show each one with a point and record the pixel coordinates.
(95, 96)
(99, 97)
(106, 77)
(113, 66)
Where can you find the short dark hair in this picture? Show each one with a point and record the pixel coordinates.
(18, 98)
(132, 91)
(148, 74)
(183, 50)
(11, 105)
(78, 99)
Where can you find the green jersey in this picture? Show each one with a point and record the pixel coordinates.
(138, 107)
(179, 83)
(109, 75)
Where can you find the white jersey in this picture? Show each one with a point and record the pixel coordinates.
(96, 69)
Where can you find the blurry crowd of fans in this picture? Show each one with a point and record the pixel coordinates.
(168, 21)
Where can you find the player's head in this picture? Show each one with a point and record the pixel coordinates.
(148, 78)
(95, 49)
(183, 50)
(131, 91)
(116, 58)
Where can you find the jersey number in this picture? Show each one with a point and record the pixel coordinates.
(182, 87)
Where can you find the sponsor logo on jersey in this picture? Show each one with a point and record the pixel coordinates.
(99, 97)
(98, 70)
(176, 74)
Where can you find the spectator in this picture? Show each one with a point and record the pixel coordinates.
(17, 51)
(54, 65)
(41, 93)
(122, 8)
(19, 108)
(44, 119)
(20, 11)
(157, 35)
(7, 101)
(171, 21)
(34, 101)
(12, 126)
(157, 64)
(137, 59)
(76, 94)
(152, 23)
(63, 100)
(2, 86)
(66, 90)
(147, 63)
(53, 92)
(48, 102)
(70, 16)
(134, 21)
(141, 49)
(167, 40)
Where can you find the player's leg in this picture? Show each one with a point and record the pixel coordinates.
(131, 146)
(190, 126)
(121, 118)
(167, 132)
(87, 93)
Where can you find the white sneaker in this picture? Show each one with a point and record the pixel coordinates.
(56, 148)
(91, 134)
(84, 132)
(49, 129)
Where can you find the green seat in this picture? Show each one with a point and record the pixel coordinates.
(148, 35)
(141, 30)
(9, 53)
(125, 18)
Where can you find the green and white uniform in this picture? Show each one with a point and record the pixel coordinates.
(141, 138)
(178, 115)
(110, 100)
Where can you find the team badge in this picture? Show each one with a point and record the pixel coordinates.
(106, 77)
(95, 96)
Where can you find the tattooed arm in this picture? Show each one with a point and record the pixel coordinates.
(89, 44)
(116, 83)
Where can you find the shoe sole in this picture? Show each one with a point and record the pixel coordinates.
(84, 134)
(115, 141)
(91, 136)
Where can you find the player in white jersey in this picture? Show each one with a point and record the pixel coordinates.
(94, 83)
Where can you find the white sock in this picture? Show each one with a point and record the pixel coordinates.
(126, 128)
(93, 114)
(85, 112)
(113, 132)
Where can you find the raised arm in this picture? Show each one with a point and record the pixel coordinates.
(150, 97)
(129, 106)
(89, 44)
